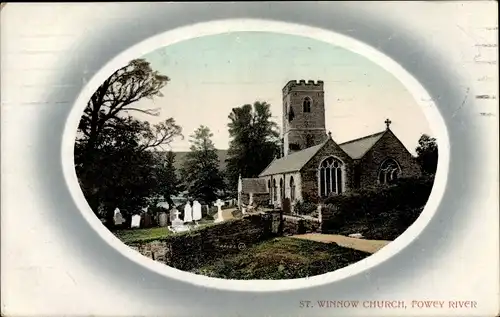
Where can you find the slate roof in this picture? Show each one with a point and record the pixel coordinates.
(253, 185)
(294, 162)
(358, 147)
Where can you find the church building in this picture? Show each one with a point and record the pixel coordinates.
(314, 165)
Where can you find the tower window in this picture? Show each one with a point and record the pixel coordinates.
(306, 104)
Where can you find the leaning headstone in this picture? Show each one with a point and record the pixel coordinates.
(196, 210)
(188, 213)
(136, 221)
(162, 219)
(118, 218)
(219, 204)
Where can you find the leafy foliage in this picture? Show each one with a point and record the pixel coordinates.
(390, 209)
(305, 207)
(201, 169)
(254, 141)
(427, 154)
(114, 153)
(170, 184)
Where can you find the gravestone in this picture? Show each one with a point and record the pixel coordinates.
(188, 213)
(174, 214)
(136, 221)
(162, 219)
(147, 220)
(196, 211)
(219, 204)
(177, 223)
(118, 218)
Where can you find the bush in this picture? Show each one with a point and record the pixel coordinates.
(308, 197)
(382, 212)
(305, 207)
(406, 193)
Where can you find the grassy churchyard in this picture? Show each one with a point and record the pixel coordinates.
(283, 258)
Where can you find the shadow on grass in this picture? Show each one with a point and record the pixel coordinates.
(282, 258)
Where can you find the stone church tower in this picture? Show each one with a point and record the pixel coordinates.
(303, 115)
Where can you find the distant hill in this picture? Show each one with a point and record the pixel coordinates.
(180, 157)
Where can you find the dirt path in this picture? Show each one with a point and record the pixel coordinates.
(370, 246)
(227, 214)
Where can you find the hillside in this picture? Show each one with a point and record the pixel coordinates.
(180, 157)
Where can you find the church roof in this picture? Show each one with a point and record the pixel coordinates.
(253, 185)
(358, 147)
(294, 162)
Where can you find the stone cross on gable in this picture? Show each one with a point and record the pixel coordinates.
(388, 123)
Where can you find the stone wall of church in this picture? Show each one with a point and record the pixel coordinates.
(388, 146)
(309, 173)
(287, 187)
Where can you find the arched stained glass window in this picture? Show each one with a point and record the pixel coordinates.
(389, 171)
(330, 177)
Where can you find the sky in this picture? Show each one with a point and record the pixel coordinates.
(211, 75)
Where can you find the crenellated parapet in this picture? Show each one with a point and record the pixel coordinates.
(303, 85)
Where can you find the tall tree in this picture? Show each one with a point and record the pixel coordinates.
(115, 98)
(200, 171)
(427, 154)
(254, 141)
(167, 175)
(114, 156)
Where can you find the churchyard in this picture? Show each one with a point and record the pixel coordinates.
(265, 207)
(267, 243)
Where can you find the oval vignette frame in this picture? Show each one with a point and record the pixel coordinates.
(173, 36)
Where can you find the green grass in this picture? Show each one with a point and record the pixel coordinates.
(282, 258)
(142, 235)
(130, 236)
